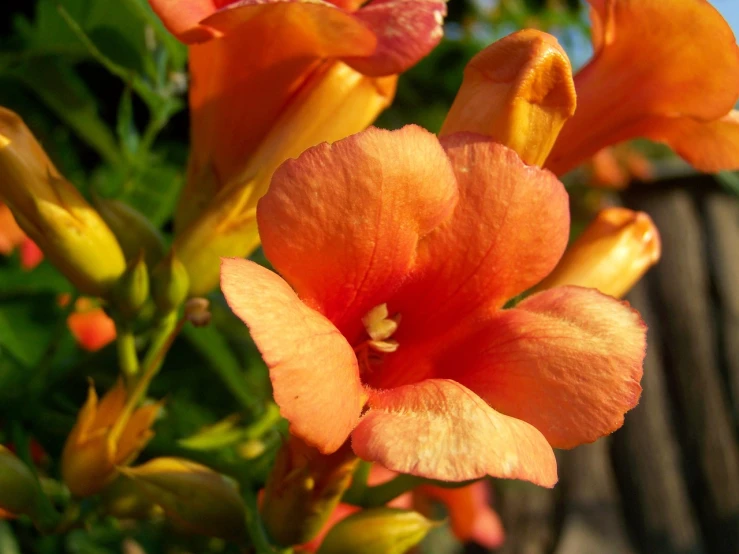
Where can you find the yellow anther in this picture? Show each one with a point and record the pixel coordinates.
(384, 346)
(378, 325)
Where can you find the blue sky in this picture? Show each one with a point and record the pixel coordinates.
(730, 10)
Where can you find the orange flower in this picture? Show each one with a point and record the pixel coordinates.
(401, 253)
(12, 236)
(90, 325)
(664, 70)
(108, 434)
(668, 71)
(270, 79)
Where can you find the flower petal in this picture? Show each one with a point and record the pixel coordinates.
(440, 430)
(568, 361)
(406, 31)
(313, 369)
(647, 65)
(509, 229)
(182, 17)
(708, 146)
(342, 222)
(242, 82)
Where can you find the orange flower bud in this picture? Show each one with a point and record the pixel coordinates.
(519, 91)
(386, 530)
(194, 498)
(611, 255)
(108, 434)
(53, 213)
(303, 489)
(90, 325)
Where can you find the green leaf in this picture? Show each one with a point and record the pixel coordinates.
(44, 278)
(214, 348)
(27, 325)
(128, 134)
(68, 97)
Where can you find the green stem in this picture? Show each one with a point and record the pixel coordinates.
(257, 533)
(355, 493)
(165, 335)
(377, 496)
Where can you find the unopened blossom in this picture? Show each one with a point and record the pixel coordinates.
(91, 327)
(396, 254)
(611, 255)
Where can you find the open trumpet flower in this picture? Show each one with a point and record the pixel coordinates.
(270, 79)
(397, 254)
(648, 78)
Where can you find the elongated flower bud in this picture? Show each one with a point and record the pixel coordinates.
(132, 290)
(611, 255)
(386, 530)
(194, 498)
(519, 91)
(169, 284)
(53, 213)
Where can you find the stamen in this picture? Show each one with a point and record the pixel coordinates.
(380, 327)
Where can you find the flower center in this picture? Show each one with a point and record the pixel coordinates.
(380, 327)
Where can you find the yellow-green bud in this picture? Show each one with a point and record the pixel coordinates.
(303, 489)
(132, 290)
(54, 214)
(132, 229)
(386, 530)
(194, 498)
(169, 284)
(19, 491)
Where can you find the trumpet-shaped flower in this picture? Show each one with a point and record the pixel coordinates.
(649, 77)
(108, 434)
(270, 79)
(400, 253)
